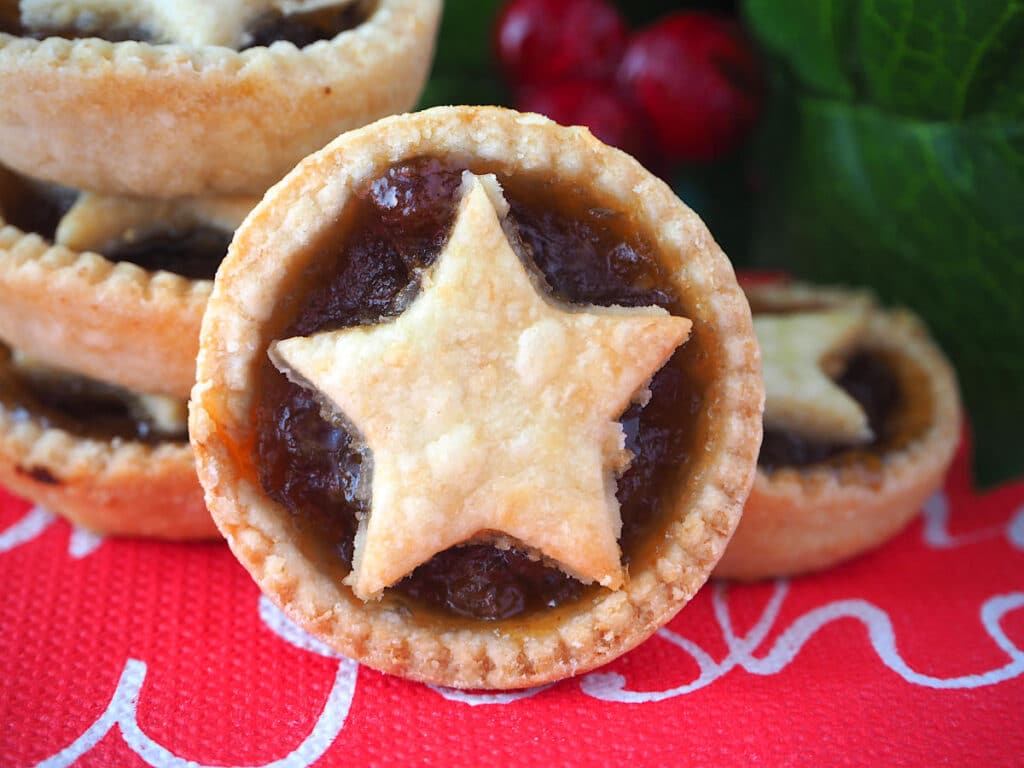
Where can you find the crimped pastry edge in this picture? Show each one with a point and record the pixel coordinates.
(481, 655)
(171, 121)
(116, 488)
(797, 521)
(113, 322)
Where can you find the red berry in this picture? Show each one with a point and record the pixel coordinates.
(546, 40)
(697, 79)
(592, 103)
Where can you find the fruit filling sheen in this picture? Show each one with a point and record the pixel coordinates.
(394, 228)
(300, 29)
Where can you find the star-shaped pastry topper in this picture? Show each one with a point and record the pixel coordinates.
(488, 408)
(188, 22)
(97, 221)
(798, 351)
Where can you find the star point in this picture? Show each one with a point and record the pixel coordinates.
(799, 395)
(97, 221)
(488, 408)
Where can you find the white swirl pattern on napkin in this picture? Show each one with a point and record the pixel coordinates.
(605, 686)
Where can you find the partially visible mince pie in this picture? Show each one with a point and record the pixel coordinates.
(113, 288)
(199, 97)
(862, 419)
(478, 399)
(112, 461)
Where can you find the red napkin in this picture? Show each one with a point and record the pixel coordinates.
(126, 653)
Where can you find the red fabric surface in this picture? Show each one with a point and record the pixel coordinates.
(125, 653)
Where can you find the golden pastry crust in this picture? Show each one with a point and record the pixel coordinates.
(577, 636)
(116, 488)
(114, 322)
(172, 120)
(805, 519)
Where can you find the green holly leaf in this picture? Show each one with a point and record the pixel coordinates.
(895, 159)
(813, 38)
(929, 214)
(942, 59)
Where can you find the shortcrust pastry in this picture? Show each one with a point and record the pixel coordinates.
(207, 97)
(862, 419)
(105, 459)
(130, 317)
(425, 417)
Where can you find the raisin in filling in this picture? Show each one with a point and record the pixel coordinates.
(870, 381)
(302, 29)
(77, 405)
(193, 253)
(586, 254)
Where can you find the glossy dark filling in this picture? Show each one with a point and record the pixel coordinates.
(33, 206)
(110, 34)
(194, 253)
(89, 26)
(77, 405)
(301, 29)
(397, 228)
(10, 17)
(870, 381)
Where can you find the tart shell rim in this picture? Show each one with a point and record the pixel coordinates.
(482, 656)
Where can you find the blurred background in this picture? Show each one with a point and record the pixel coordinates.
(862, 142)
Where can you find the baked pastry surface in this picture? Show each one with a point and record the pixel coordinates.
(67, 305)
(402, 634)
(118, 486)
(853, 497)
(188, 115)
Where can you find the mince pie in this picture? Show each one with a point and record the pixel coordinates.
(478, 399)
(861, 421)
(112, 461)
(112, 288)
(199, 97)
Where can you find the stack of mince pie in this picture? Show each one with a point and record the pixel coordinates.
(134, 139)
